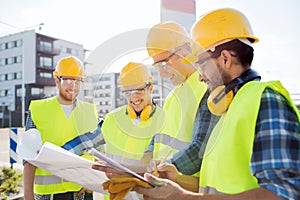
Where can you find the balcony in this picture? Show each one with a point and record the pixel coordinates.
(48, 50)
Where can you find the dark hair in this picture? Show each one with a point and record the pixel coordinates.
(242, 51)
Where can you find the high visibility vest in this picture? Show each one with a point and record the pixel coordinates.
(126, 140)
(181, 107)
(50, 119)
(226, 163)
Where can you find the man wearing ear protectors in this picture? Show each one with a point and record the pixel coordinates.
(128, 130)
(253, 151)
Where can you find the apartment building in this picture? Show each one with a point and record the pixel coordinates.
(27, 60)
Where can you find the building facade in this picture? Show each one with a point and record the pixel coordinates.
(27, 60)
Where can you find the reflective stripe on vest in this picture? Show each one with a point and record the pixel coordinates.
(181, 107)
(51, 121)
(121, 159)
(41, 180)
(225, 167)
(170, 141)
(126, 140)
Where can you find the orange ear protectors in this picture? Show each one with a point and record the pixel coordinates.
(221, 97)
(146, 113)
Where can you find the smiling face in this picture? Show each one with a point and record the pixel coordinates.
(138, 96)
(170, 67)
(68, 89)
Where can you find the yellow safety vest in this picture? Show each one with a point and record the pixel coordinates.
(127, 141)
(50, 119)
(225, 167)
(181, 107)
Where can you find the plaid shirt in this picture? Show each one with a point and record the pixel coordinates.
(86, 141)
(81, 143)
(275, 160)
(187, 160)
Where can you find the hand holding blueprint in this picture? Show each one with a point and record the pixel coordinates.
(63, 163)
(117, 165)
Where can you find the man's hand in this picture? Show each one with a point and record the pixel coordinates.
(109, 171)
(83, 189)
(168, 190)
(168, 171)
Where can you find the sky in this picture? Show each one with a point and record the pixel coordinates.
(94, 22)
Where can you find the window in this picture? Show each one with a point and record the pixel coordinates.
(2, 77)
(8, 93)
(75, 52)
(5, 93)
(2, 46)
(10, 76)
(45, 75)
(19, 75)
(2, 62)
(2, 93)
(11, 44)
(46, 46)
(19, 92)
(19, 43)
(37, 91)
(45, 62)
(63, 49)
(19, 59)
(10, 60)
(69, 50)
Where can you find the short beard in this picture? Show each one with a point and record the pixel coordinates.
(66, 98)
(226, 78)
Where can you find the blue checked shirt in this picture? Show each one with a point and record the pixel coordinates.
(275, 160)
(276, 152)
(188, 160)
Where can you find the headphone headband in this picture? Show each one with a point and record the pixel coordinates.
(238, 82)
(220, 99)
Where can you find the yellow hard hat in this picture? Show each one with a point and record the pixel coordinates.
(133, 74)
(221, 25)
(166, 36)
(69, 66)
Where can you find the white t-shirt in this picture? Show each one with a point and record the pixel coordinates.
(68, 109)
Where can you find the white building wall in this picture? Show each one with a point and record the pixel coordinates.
(26, 51)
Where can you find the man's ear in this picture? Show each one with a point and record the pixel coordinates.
(226, 58)
(57, 82)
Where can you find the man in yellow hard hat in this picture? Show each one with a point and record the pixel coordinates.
(254, 150)
(189, 121)
(128, 130)
(59, 119)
